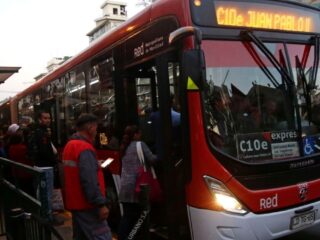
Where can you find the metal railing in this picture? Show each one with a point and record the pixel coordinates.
(23, 214)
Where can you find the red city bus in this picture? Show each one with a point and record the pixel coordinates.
(243, 160)
(5, 115)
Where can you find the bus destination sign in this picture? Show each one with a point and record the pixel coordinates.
(265, 16)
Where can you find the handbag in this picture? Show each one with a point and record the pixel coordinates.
(57, 200)
(147, 177)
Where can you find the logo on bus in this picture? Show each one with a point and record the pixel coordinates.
(269, 202)
(303, 190)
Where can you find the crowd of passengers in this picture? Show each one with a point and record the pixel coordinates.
(239, 113)
(84, 194)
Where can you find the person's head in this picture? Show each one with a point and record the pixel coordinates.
(87, 125)
(44, 118)
(271, 106)
(15, 133)
(17, 137)
(219, 100)
(131, 133)
(12, 129)
(174, 103)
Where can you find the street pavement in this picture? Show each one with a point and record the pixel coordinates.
(312, 233)
(65, 230)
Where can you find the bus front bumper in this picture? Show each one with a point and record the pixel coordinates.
(208, 224)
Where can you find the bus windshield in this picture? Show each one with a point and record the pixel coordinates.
(259, 107)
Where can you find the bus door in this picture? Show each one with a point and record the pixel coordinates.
(158, 115)
(168, 76)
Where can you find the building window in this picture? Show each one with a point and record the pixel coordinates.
(123, 10)
(115, 11)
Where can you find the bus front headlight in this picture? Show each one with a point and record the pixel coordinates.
(223, 198)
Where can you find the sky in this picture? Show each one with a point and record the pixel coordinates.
(35, 31)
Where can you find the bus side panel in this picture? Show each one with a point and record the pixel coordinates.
(203, 162)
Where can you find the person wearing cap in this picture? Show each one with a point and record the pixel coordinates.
(17, 152)
(84, 185)
(4, 149)
(4, 152)
(13, 128)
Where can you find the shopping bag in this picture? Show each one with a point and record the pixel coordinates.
(147, 177)
(57, 200)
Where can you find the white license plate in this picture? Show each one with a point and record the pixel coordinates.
(302, 220)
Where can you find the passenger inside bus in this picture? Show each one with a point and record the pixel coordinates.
(156, 128)
(245, 114)
(223, 125)
(316, 115)
(311, 126)
(269, 115)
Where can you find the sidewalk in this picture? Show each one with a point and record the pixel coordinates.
(65, 230)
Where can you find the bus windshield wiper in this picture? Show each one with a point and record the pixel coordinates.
(283, 72)
(308, 86)
(261, 64)
(315, 66)
(287, 86)
(302, 81)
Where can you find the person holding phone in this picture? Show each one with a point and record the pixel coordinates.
(84, 183)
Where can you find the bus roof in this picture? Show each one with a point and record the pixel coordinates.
(156, 10)
(180, 9)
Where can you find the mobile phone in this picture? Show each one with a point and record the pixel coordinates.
(107, 162)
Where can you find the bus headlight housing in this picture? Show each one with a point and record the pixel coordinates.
(223, 198)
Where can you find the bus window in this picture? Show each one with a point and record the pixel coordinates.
(247, 101)
(5, 117)
(145, 105)
(102, 103)
(148, 104)
(75, 99)
(174, 73)
(26, 110)
(52, 101)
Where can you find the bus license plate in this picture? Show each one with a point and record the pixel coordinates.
(302, 220)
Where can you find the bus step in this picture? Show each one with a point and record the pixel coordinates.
(158, 233)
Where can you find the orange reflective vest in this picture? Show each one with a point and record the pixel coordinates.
(74, 196)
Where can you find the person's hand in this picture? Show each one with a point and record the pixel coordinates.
(103, 213)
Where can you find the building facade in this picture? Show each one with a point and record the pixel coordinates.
(113, 14)
(315, 3)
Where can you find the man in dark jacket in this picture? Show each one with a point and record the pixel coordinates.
(44, 155)
(84, 183)
(41, 149)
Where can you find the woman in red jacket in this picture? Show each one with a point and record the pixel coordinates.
(18, 153)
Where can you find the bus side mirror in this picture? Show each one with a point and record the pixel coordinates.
(192, 71)
(193, 68)
(184, 32)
